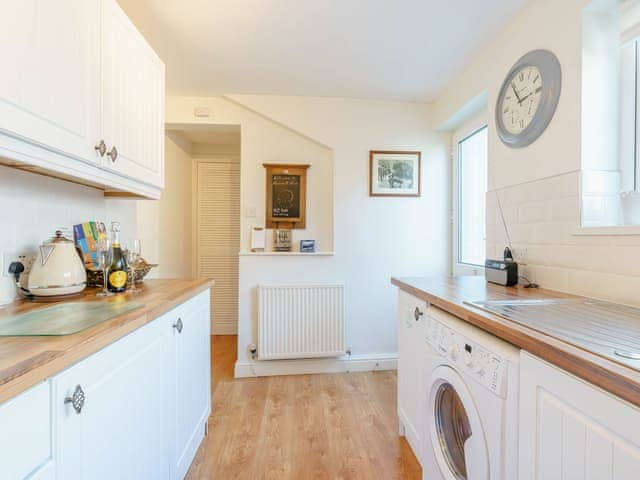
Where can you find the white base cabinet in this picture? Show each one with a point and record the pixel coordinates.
(190, 384)
(411, 376)
(120, 430)
(136, 409)
(570, 429)
(25, 435)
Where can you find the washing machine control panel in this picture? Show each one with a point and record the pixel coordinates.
(474, 360)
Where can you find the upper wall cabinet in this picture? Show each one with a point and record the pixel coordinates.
(49, 87)
(132, 99)
(81, 95)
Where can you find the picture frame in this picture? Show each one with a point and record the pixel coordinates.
(286, 195)
(395, 173)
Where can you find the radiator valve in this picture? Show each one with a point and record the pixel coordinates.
(253, 350)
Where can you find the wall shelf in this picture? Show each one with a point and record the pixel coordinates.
(285, 254)
(615, 230)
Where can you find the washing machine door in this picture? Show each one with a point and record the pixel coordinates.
(457, 437)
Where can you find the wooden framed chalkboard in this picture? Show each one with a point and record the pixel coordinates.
(286, 195)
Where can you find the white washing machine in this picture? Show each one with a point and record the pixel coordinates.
(471, 421)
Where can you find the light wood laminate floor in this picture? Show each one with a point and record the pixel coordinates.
(330, 426)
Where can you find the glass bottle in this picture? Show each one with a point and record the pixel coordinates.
(118, 270)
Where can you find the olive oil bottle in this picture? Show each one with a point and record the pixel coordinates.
(118, 270)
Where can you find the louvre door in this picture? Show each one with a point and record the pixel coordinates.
(218, 238)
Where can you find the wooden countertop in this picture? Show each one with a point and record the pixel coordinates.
(25, 361)
(449, 293)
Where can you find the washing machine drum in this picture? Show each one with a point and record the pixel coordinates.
(457, 437)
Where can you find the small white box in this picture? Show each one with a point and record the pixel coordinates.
(257, 239)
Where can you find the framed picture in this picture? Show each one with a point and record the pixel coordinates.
(394, 174)
(286, 196)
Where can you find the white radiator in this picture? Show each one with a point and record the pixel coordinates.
(300, 321)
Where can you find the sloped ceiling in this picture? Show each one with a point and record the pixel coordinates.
(400, 49)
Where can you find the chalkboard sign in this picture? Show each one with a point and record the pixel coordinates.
(286, 196)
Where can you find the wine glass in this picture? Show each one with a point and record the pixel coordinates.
(105, 256)
(133, 254)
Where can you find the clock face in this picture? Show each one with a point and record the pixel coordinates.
(521, 99)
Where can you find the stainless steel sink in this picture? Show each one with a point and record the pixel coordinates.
(607, 329)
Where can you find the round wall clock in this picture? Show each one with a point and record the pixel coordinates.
(528, 98)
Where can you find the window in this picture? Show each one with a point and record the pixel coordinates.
(472, 189)
(629, 110)
(610, 114)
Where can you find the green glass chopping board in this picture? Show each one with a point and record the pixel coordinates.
(62, 319)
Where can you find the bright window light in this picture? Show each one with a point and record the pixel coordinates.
(472, 188)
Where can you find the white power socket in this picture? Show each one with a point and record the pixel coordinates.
(521, 254)
(26, 259)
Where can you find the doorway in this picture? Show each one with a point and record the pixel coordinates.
(214, 152)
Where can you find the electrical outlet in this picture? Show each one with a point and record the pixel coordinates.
(26, 259)
(520, 254)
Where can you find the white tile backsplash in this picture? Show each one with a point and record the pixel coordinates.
(543, 217)
(33, 206)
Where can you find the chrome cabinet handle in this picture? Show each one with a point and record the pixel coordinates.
(178, 325)
(101, 148)
(77, 399)
(417, 314)
(113, 154)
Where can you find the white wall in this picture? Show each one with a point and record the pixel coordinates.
(373, 238)
(540, 185)
(33, 207)
(264, 141)
(165, 226)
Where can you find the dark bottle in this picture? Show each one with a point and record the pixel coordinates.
(118, 270)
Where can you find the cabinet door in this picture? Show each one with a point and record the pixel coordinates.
(50, 81)
(570, 429)
(26, 451)
(121, 430)
(132, 99)
(411, 381)
(192, 379)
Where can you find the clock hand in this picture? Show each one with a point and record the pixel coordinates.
(536, 91)
(516, 92)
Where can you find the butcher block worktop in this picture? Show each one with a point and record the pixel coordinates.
(25, 361)
(451, 293)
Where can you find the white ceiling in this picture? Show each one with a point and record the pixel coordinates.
(388, 49)
(224, 136)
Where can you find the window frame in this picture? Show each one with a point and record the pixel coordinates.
(460, 136)
(629, 138)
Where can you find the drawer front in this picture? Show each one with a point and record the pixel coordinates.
(26, 451)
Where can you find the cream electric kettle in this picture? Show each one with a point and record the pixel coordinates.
(57, 270)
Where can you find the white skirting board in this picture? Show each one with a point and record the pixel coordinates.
(357, 363)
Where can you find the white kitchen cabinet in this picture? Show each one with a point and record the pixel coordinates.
(27, 451)
(120, 431)
(49, 87)
(411, 375)
(132, 100)
(190, 388)
(570, 429)
(77, 75)
(137, 409)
